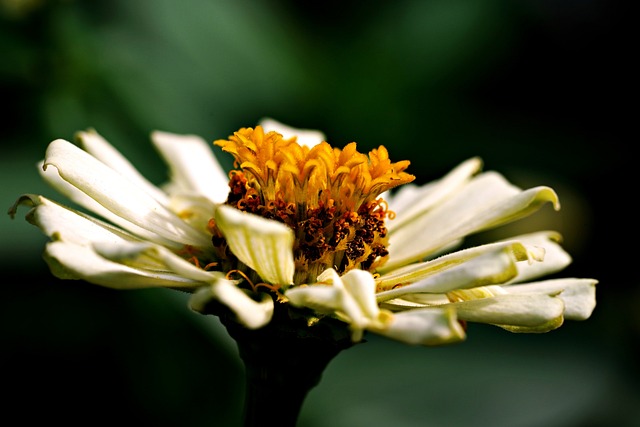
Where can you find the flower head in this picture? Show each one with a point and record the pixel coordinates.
(327, 196)
(317, 231)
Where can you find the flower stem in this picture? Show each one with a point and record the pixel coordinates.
(283, 362)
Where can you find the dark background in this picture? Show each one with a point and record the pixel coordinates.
(541, 90)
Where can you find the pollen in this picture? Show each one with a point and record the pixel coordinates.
(328, 196)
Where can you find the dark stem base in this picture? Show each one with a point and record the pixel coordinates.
(283, 362)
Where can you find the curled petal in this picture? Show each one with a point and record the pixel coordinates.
(51, 177)
(89, 249)
(331, 297)
(427, 326)
(413, 301)
(486, 201)
(518, 313)
(579, 295)
(495, 267)
(61, 223)
(72, 261)
(361, 286)
(350, 298)
(193, 167)
(419, 271)
(193, 210)
(412, 201)
(118, 195)
(247, 311)
(324, 299)
(105, 255)
(264, 245)
(94, 144)
(555, 258)
(154, 257)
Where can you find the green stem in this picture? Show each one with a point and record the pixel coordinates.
(283, 362)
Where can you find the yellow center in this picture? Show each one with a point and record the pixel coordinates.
(328, 196)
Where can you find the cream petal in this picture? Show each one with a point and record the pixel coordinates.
(555, 258)
(401, 199)
(419, 271)
(321, 298)
(413, 301)
(154, 257)
(486, 201)
(62, 223)
(72, 261)
(186, 199)
(308, 137)
(494, 267)
(194, 210)
(193, 166)
(329, 296)
(350, 298)
(579, 295)
(107, 243)
(248, 312)
(93, 143)
(52, 178)
(535, 312)
(264, 245)
(428, 326)
(412, 201)
(120, 196)
(361, 286)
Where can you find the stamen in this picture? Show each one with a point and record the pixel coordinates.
(210, 265)
(244, 276)
(274, 288)
(195, 261)
(187, 250)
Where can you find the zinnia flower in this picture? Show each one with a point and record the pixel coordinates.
(308, 229)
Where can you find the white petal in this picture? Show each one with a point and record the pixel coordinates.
(61, 223)
(486, 201)
(579, 295)
(98, 147)
(321, 298)
(412, 201)
(115, 257)
(52, 178)
(329, 295)
(350, 298)
(264, 245)
(419, 271)
(540, 250)
(72, 261)
(401, 199)
(120, 196)
(555, 258)
(193, 167)
(248, 312)
(308, 137)
(534, 312)
(361, 286)
(494, 267)
(154, 257)
(429, 326)
(194, 210)
(413, 301)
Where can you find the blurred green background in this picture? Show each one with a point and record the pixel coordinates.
(535, 88)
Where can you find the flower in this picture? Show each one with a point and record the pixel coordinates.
(318, 230)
